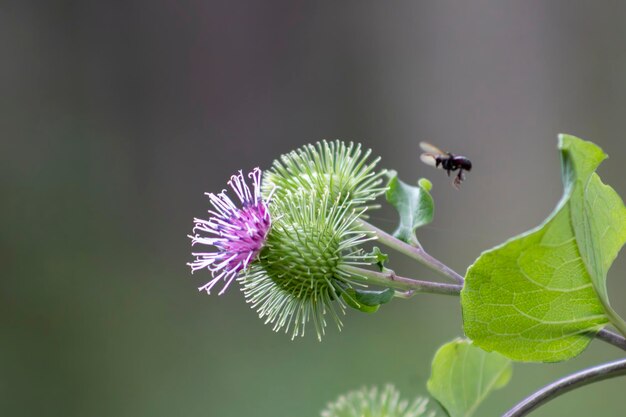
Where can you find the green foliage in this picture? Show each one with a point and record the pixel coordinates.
(463, 375)
(414, 205)
(374, 403)
(367, 301)
(539, 296)
(598, 218)
(379, 257)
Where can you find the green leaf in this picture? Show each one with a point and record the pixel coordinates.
(367, 301)
(414, 205)
(539, 296)
(374, 297)
(599, 221)
(379, 257)
(463, 375)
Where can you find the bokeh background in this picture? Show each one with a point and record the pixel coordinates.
(116, 118)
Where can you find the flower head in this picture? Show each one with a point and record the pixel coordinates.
(339, 168)
(237, 234)
(372, 403)
(300, 275)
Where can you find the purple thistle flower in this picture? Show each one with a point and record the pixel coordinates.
(238, 234)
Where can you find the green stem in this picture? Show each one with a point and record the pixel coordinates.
(415, 252)
(615, 319)
(612, 338)
(406, 287)
(391, 280)
(405, 295)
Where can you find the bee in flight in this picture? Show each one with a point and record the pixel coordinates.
(435, 157)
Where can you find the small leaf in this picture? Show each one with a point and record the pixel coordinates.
(463, 375)
(367, 301)
(374, 297)
(538, 296)
(414, 205)
(350, 298)
(379, 257)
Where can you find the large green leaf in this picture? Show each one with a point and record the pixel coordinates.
(539, 296)
(414, 205)
(463, 375)
(599, 221)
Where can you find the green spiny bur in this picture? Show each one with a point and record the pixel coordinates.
(344, 170)
(299, 277)
(372, 402)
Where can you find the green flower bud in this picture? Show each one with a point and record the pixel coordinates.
(335, 167)
(299, 274)
(371, 403)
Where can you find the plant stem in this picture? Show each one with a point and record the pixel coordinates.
(407, 290)
(615, 319)
(404, 294)
(391, 280)
(415, 252)
(612, 338)
(568, 383)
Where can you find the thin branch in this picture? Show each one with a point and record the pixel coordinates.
(568, 383)
(615, 319)
(612, 338)
(390, 279)
(404, 294)
(415, 252)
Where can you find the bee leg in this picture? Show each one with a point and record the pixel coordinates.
(459, 179)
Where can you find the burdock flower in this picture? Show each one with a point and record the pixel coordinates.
(237, 234)
(375, 403)
(301, 273)
(338, 168)
(302, 268)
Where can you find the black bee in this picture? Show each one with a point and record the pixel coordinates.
(435, 157)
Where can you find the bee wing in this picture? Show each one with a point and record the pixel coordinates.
(429, 159)
(432, 149)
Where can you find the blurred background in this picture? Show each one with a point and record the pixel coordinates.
(116, 118)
